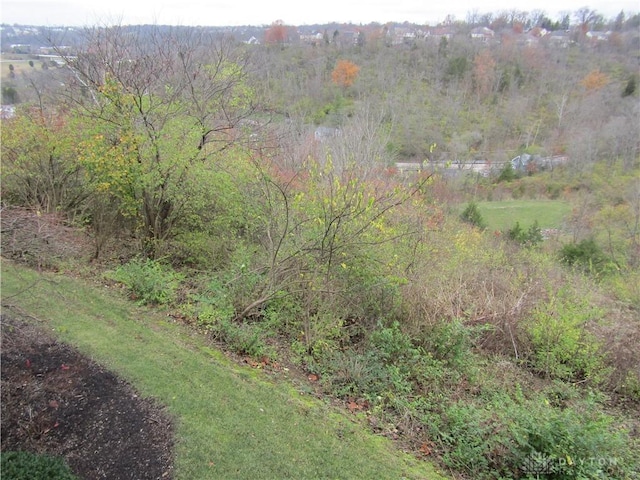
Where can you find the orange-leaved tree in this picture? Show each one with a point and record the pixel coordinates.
(594, 80)
(277, 32)
(345, 73)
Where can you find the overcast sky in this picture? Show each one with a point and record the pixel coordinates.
(265, 12)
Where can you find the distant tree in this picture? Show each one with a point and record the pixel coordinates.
(507, 174)
(345, 73)
(457, 67)
(9, 95)
(484, 73)
(276, 33)
(587, 19)
(594, 80)
(537, 18)
(631, 86)
(618, 24)
(442, 47)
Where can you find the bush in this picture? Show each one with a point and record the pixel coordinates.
(531, 237)
(25, 465)
(149, 281)
(563, 347)
(471, 214)
(387, 368)
(506, 436)
(585, 255)
(507, 174)
(450, 342)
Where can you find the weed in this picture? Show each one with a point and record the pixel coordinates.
(149, 281)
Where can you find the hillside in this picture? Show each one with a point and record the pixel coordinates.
(438, 228)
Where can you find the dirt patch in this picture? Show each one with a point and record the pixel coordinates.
(56, 401)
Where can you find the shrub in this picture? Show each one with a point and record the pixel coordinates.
(449, 342)
(531, 237)
(387, 368)
(149, 281)
(563, 347)
(506, 436)
(585, 255)
(26, 465)
(471, 214)
(507, 174)
(242, 338)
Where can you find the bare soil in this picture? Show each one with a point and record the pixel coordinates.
(56, 401)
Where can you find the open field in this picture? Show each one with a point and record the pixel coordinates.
(232, 421)
(504, 214)
(20, 64)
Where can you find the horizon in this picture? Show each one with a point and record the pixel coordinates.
(73, 13)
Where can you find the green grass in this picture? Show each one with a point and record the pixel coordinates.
(232, 422)
(504, 214)
(20, 64)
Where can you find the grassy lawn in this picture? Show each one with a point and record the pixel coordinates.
(20, 64)
(504, 214)
(232, 422)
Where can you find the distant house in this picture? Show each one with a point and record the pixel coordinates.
(439, 33)
(20, 48)
(559, 39)
(598, 36)
(527, 163)
(312, 38)
(482, 34)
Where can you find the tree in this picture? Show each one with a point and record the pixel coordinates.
(484, 73)
(471, 214)
(9, 95)
(345, 73)
(630, 87)
(161, 103)
(276, 33)
(594, 80)
(38, 160)
(587, 19)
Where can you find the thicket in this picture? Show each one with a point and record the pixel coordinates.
(196, 168)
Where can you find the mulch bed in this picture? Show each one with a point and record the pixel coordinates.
(56, 401)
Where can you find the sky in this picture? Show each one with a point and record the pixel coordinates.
(291, 12)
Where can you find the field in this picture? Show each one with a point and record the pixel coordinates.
(20, 64)
(504, 214)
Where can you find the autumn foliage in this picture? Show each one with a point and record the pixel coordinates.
(484, 72)
(594, 80)
(345, 73)
(276, 33)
